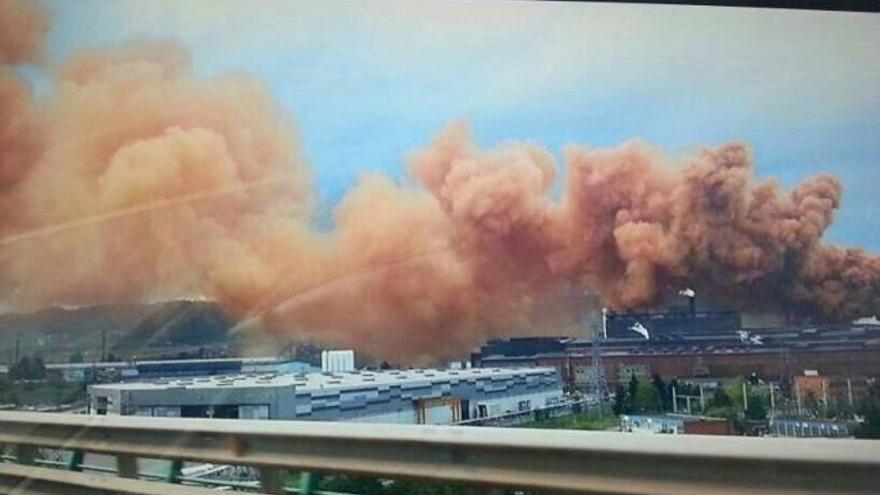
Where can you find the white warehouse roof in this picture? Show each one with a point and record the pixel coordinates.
(328, 381)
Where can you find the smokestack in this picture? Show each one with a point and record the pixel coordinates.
(691, 295)
(605, 323)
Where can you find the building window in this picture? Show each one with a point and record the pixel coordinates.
(253, 412)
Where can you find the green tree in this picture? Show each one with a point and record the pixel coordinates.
(869, 408)
(647, 399)
(8, 394)
(785, 387)
(664, 391)
(621, 400)
(22, 370)
(28, 368)
(673, 384)
(734, 390)
(720, 399)
(38, 369)
(376, 486)
(759, 403)
(631, 389)
(870, 428)
(721, 406)
(353, 484)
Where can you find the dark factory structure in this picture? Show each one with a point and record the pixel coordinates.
(688, 344)
(672, 323)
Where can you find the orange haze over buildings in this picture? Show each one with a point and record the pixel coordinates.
(135, 181)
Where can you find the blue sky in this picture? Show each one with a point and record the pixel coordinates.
(367, 82)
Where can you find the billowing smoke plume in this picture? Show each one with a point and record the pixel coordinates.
(23, 28)
(136, 181)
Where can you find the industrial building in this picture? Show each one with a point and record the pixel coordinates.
(669, 324)
(799, 427)
(141, 370)
(337, 361)
(674, 424)
(394, 396)
(707, 344)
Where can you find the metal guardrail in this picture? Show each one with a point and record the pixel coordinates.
(543, 460)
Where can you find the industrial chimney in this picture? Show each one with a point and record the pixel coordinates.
(691, 295)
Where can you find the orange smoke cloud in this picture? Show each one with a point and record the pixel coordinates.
(707, 223)
(138, 181)
(156, 174)
(23, 28)
(21, 139)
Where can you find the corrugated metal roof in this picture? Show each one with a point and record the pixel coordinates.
(331, 381)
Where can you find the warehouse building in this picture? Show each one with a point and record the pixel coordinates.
(675, 424)
(845, 351)
(671, 323)
(394, 396)
(146, 370)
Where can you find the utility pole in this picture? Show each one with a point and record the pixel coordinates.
(604, 323)
(825, 396)
(17, 354)
(849, 391)
(745, 398)
(599, 385)
(772, 402)
(691, 296)
(103, 345)
(674, 400)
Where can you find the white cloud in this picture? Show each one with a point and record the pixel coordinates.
(493, 55)
(820, 63)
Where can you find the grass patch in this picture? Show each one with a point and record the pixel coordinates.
(578, 421)
(40, 393)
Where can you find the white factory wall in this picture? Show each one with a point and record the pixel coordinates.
(402, 417)
(337, 361)
(158, 411)
(244, 411)
(442, 414)
(253, 411)
(515, 403)
(402, 397)
(437, 414)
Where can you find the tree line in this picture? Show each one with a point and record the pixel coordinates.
(28, 368)
(656, 396)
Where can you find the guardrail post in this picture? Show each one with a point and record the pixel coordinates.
(76, 460)
(25, 454)
(126, 466)
(270, 481)
(308, 483)
(173, 475)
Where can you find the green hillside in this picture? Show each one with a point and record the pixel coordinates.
(145, 331)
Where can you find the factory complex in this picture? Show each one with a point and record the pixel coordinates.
(698, 352)
(817, 367)
(830, 364)
(421, 396)
(145, 370)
